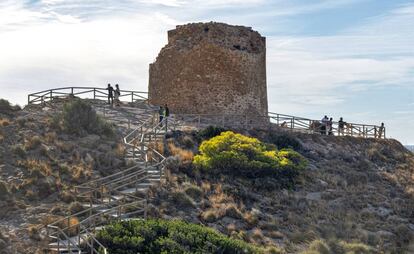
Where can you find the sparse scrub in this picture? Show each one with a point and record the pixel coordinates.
(34, 232)
(186, 156)
(75, 207)
(37, 168)
(182, 200)
(210, 215)
(334, 246)
(66, 196)
(33, 142)
(50, 137)
(4, 191)
(232, 211)
(194, 192)
(19, 150)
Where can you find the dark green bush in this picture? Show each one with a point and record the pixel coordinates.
(79, 117)
(284, 140)
(241, 155)
(161, 236)
(210, 132)
(6, 108)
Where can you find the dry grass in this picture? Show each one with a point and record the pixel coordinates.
(120, 150)
(186, 156)
(64, 146)
(34, 232)
(251, 218)
(37, 168)
(219, 197)
(81, 172)
(206, 186)
(232, 211)
(257, 235)
(4, 122)
(69, 226)
(182, 200)
(50, 137)
(194, 192)
(231, 228)
(210, 215)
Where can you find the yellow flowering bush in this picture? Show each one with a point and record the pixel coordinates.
(235, 153)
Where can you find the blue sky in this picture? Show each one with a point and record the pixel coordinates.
(350, 58)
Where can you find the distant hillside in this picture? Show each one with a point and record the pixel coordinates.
(410, 147)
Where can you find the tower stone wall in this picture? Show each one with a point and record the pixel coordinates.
(211, 68)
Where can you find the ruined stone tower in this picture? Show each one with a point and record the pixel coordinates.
(211, 68)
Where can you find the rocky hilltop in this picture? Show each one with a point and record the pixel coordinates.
(354, 193)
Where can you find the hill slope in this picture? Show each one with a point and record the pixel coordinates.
(354, 190)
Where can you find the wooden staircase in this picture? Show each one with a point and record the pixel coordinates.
(122, 195)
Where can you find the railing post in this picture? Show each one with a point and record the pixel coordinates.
(51, 95)
(132, 96)
(94, 93)
(71, 91)
(69, 241)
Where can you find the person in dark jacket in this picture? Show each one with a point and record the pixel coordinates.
(166, 111)
(166, 114)
(161, 113)
(110, 94)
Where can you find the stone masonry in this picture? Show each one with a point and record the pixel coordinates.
(211, 68)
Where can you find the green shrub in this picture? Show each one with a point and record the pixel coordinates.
(241, 155)
(181, 199)
(194, 192)
(285, 140)
(161, 236)
(210, 132)
(78, 117)
(6, 108)
(4, 191)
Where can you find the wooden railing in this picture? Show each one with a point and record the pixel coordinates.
(277, 121)
(83, 92)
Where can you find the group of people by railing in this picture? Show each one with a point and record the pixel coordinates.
(113, 95)
(326, 128)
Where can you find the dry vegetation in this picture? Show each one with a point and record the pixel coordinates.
(356, 196)
(39, 165)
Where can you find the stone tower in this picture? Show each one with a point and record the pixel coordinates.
(211, 68)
